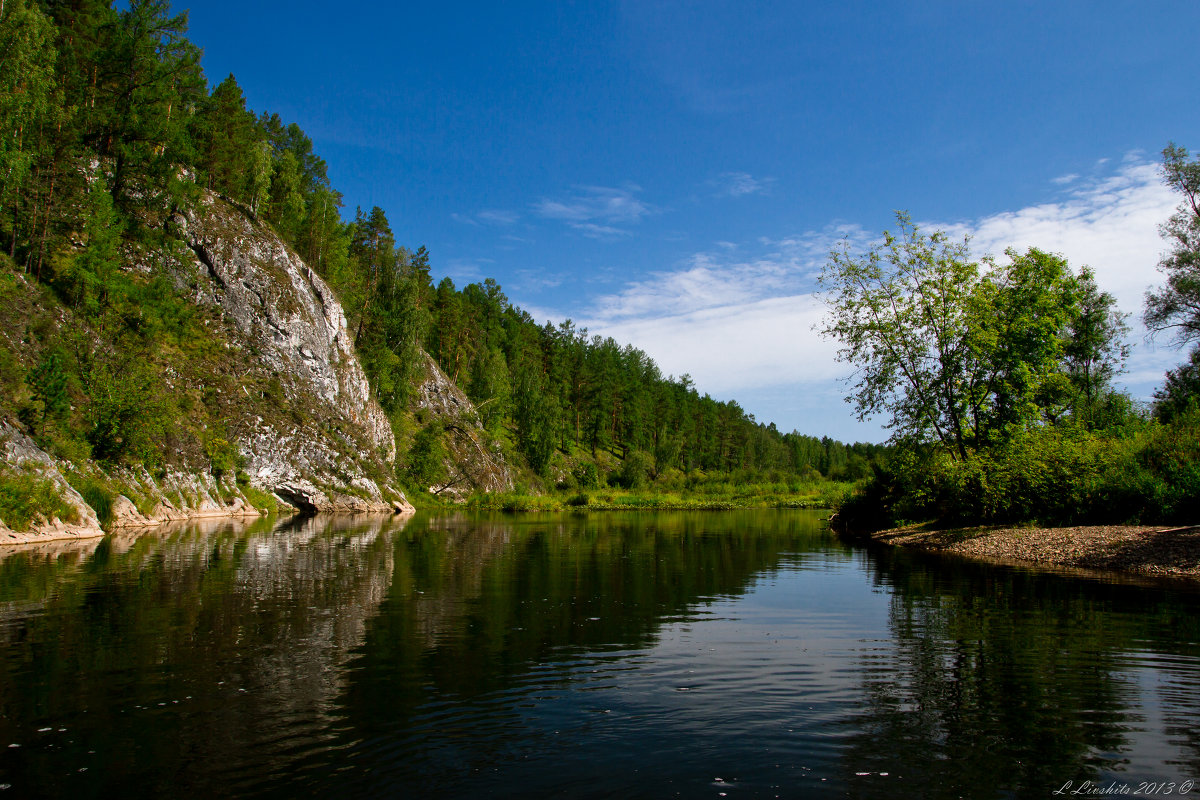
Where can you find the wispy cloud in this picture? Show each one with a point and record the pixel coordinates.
(740, 184)
(597, 211)
(489, 216)
(498, 216)
(463, 271)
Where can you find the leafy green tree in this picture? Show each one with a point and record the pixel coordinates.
(1175, 307)
(227, 140)
(287, 200)
(1180, 391)
(323, 239)
(490, 389)
(261, 170)
(129, 415)
(427, 456)
(536, 418)
(87, 277)
(1096, 348)
(965, 356)
(48, 385)
(902, 315)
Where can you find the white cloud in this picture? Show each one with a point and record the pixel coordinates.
(597, 211)
(726, 348)
(489, 216)
(740, 184)
(498, 216)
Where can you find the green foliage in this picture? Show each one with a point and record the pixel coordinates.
(25, 498)
(586, 475)
(1141, 470)
(963, 356)
(48, 386)
(152, 73)
(427, 456)
(96, 494)
(1180, 391)
(261, 169)
(26, 95)
(634, 472)
(258, 498)
(86, 279)
(129, 415)
(222, 454)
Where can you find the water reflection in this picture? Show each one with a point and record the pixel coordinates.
(1002, 681)
(576, 656)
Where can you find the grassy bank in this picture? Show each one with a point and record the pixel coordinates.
(819, 494)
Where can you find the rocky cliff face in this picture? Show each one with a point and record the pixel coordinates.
(333, 454)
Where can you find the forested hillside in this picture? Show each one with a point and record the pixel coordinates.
(109, 138)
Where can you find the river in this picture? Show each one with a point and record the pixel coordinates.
(709, 654)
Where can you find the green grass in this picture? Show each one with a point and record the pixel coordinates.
(260, 499)
(711, 497)
(24, 499)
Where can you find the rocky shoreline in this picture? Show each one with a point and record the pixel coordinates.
(1143, 550)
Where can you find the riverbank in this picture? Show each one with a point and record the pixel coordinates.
(1147, 550)
(741, 498)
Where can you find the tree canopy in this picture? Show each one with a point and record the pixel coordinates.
(965, 353)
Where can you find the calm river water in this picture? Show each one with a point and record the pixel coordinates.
(740, 654)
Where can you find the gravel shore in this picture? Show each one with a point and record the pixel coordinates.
(1142, 550)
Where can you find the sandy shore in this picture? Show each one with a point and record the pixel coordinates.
(1142, 550)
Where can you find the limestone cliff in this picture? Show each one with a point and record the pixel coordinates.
(336, 453)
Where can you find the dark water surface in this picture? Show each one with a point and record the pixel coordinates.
(740, 654)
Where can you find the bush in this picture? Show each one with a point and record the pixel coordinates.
(427, 457)
(1051, 475)
(586, 476)
(634, 472)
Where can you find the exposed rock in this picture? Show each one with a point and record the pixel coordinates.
(285, 309)
(19, 452)
(471, 464)
(292, 322)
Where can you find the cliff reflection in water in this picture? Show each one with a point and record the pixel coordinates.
(196, 644)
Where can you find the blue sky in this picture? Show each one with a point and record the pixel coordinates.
(673, 174)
